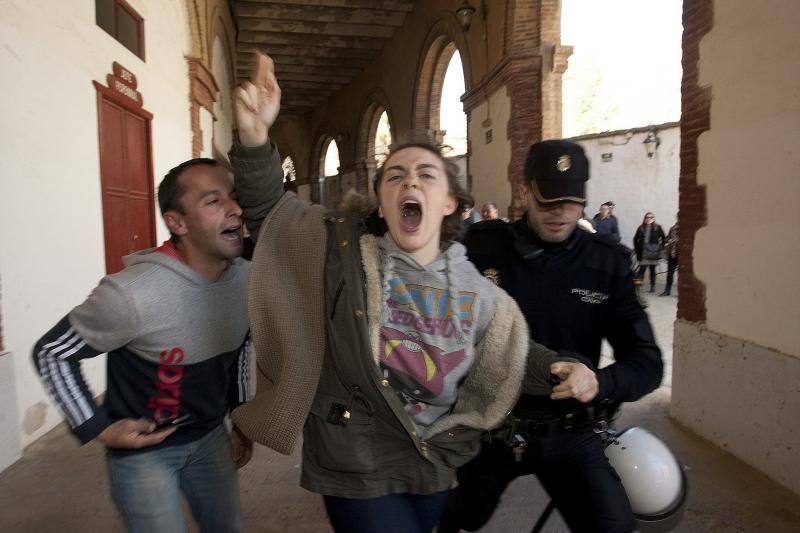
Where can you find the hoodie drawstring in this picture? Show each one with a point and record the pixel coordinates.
(387, 271)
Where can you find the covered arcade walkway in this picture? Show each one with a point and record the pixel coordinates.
(60, 487)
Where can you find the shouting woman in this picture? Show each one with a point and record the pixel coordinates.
(374, 335)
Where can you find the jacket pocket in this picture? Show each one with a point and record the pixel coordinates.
(458, 445)
(339, 442)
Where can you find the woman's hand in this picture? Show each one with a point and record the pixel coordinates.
(257, 102)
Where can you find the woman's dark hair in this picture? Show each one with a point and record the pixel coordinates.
(469, 202)
(451, 225)
(648, 214)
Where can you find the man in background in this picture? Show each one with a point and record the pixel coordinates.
(606, 223)
(489, 211)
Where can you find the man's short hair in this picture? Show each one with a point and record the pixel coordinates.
(170, 190)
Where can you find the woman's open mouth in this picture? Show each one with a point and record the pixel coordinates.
(410, 216)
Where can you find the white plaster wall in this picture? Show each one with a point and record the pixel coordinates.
(207, 127)
(634, 182)
(749, 161)
(741, 396)
(50, 205)
(223, 111)
(10, 449)
(488, 163)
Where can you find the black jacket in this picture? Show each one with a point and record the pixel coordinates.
(573, 295)
(656, 237)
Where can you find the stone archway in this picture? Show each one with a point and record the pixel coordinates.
(196, 15)
(289, 174)
(222, 72)
(366, 165)
(442, 42)
(316, 165)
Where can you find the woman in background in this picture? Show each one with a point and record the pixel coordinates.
(648, 244)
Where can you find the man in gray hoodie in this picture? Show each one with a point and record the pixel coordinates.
(174, 326)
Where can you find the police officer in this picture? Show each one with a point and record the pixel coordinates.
(575, 289)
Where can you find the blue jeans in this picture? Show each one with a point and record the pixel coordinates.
(394, 513)
(146, 486)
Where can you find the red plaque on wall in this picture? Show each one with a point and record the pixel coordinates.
(123, 82)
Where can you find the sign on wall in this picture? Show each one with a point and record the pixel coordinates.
(123, 82)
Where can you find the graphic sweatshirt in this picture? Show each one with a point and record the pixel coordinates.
(177, 345)
(433, 317)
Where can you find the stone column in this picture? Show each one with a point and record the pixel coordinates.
(537, 62)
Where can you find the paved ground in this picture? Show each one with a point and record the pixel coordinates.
(60, 487)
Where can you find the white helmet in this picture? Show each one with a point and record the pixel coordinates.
(652, 477)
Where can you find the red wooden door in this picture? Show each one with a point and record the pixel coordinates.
(127, 187)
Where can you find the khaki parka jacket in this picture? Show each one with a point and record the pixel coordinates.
(314, 301)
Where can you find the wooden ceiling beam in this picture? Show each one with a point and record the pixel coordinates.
(316, 28)
(283, 68)
(288, 85)
(320, 14)
(384, 5)
(309, 93)
(300, 103)
(268, 38)
(245, 59)
(307, 51)
(320, 77)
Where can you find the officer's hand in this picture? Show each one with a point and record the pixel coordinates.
(577, 381)
(241, 448)
(257, 102)
(133, 433)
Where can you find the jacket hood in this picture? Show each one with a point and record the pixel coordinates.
(162, 257)
(455, 254)
(358, 204)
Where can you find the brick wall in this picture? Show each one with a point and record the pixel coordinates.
(695, 119)
(525, 126)
(534, 86)
(203, 92)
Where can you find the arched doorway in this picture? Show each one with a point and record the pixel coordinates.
(329, 175)
(289, 174)
(452, 119)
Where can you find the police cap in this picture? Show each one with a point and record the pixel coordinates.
(557, 172)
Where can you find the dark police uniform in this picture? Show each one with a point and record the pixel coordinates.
(573, 294)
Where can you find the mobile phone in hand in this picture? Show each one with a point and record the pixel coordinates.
(174, 422)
